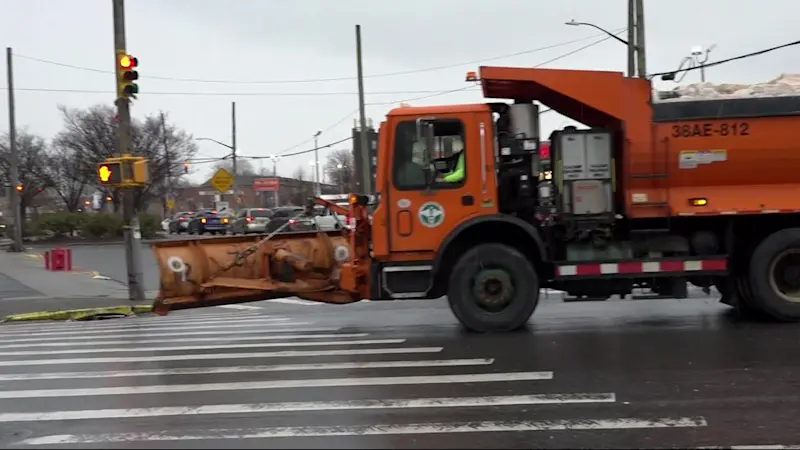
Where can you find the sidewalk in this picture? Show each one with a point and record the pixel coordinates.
(26, 286)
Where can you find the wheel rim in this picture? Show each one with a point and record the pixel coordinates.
(493, 289)
(784, 275)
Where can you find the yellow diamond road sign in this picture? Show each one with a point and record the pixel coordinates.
(170, 204)
(222, 180)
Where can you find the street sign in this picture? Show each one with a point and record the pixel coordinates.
(222, 180)
(266, 184)
(170, 204)
(223, 207)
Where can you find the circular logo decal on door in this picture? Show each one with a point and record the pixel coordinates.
(431, 214)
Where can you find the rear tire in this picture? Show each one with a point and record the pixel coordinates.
(774, 275)
(493, 287)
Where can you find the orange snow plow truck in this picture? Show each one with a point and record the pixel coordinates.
(653, 195)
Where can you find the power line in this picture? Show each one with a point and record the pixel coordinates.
(317, 80)
(283, 153)
(227, 94)
(735, 58)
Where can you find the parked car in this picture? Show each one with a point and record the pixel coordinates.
(179, 222)
(251, 220)
(165, 224)
(207, 222)
(289, 214)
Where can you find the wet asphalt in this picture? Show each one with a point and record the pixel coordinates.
(618, 374)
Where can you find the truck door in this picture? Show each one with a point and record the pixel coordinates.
(425, 205)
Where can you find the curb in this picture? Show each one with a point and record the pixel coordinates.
(79, 314)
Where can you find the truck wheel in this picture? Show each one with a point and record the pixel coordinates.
(774, 275)
(493, 287)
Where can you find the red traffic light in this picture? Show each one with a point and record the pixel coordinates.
(128, 62)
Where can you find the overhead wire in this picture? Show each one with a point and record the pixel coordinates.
(724, 61)
(317, 80)
(283, 153)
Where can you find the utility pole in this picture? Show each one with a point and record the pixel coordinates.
(233, 150)
(362, 118)
(14, 195)
(131, 229)
(631, 38)
(641, 51)
(167, 157)
(318, 188)
(275, 193)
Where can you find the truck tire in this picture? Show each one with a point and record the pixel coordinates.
(774, 275)
(493, 287)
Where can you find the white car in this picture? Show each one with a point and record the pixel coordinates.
(328, 220)
(165, 224)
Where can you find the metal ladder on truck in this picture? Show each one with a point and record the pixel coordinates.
(660, 180)
(660, 224)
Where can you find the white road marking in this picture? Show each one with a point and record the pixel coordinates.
(217, 356)
(260, 331)
(262, 408)
(240, 307)
(295, 301)
(81, 351)
(145, 321)
(372, 430)
(224, 338)
(279, 384)
(239, 324)
(245, 369)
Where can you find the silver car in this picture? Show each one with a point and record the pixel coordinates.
(251, 220)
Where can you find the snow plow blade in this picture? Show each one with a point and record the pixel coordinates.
(236, 269)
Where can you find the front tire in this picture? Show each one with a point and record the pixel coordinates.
(493, 287)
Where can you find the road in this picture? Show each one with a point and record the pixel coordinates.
(623, 374)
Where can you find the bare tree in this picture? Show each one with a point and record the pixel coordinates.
(91, 135)
(32, 159)
(65, 174)
(243, 166)
(299, 173)
(340, 169)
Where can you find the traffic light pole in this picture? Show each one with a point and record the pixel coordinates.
(13, 176)
(131, 230)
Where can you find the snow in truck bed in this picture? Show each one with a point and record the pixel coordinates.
(784, 85)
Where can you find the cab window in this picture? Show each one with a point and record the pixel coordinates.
(411, 165)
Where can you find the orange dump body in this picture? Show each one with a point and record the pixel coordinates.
(209, 271)
(740, 155)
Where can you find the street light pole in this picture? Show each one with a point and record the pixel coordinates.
(631, 43)
(275, 159)
(316, 162)
(233, 148)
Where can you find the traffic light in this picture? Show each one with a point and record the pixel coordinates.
(186, 167)
(127, 75)
(19, 188)
(110, 173)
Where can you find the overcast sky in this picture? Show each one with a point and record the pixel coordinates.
(255, 46)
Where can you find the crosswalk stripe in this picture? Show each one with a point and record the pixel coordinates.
(132, 322)
(372, 430)
(151, 322)
(245, 369)
(241, 307)
(262, 408)
(220, 356)
(176, 348)
(260, 331)
(81, 332)
(280, 384)
(97, 342)
(295, 301)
